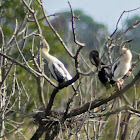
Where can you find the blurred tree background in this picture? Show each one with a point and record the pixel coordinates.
(21, 90)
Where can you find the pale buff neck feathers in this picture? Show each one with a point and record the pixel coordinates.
(46, 49)
(45, 44)
(126, 55)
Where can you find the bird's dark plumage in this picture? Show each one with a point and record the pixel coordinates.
(59, 77)
(94, 58)
(103, 71)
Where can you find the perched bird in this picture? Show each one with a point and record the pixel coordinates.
(104, 73)
(119, 70)
(56, 67)
(121, 67)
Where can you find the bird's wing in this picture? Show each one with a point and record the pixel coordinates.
(115, 68)
(59, 72)
(104, 75)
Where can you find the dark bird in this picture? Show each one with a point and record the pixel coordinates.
(56, 67)
(104, 72)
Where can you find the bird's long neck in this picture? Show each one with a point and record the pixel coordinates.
(46, 49)
(46, 55)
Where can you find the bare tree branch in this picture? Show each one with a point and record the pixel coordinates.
(101, 101)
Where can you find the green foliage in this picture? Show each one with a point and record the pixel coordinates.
(7, 30)
(12, 10)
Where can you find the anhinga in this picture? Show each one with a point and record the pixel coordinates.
(56, 67)
(119, 70)
(121, 67)
(104, 72)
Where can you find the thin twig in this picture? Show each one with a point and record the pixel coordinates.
(73, 29)
(54, 31)
(120, 19)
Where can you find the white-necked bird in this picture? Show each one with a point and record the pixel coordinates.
(121, 67)
(56, 67)
(104, 72)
